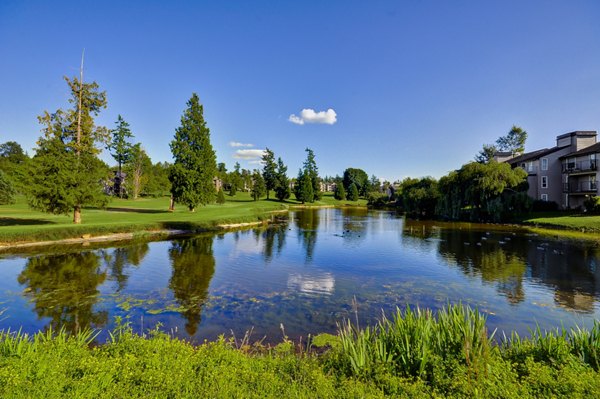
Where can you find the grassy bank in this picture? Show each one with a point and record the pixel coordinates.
(18, 223)
(413, 354)
(564, 220)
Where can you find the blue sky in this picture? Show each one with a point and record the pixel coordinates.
(416, 87)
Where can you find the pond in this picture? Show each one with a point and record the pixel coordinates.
(303, 275)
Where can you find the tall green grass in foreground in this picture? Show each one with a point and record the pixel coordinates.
(415, 353)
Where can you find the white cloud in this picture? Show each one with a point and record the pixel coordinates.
(238, 144)
(249, 155)
(308, 115)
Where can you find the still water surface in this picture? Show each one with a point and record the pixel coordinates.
(304, 274)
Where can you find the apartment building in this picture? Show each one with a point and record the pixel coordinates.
(565, 173)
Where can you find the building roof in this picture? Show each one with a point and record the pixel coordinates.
(534, 155)
(587, 150)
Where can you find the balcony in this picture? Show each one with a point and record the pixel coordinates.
(580, 166)
(584, 187)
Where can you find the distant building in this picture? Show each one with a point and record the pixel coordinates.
(565, 173)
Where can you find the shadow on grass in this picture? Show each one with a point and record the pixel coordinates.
(136, 210)
(22, 222)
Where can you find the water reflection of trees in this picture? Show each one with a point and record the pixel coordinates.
(354, 225)
(64, 288)
(274, 240)
(307, 222)
(506, 260)
(193, 267)
(120, 258)
(475, 255)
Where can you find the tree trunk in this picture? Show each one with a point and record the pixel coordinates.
(172, 204)
(77, 214)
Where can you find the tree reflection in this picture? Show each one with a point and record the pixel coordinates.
(272, 234)
(65, 289)
(120, 258)
(193, 267)
(307, 222)
(354, 225)
(475, 255)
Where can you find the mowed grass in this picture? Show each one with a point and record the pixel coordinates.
(19, 223)
(565, 220)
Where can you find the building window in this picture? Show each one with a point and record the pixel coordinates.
(544, 163)
(544, 181)
(530, 166)
(544, 197)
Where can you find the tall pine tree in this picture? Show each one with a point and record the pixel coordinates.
(195, 164)
(310, 169)
(68, 173)
(121, 150)
(269, 170)
(282, 183)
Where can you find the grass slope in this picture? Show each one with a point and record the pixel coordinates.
(19, 223)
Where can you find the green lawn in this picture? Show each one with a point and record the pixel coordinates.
(566, 220)
(18, 223)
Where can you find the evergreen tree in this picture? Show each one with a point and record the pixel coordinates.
(269, 170)
(14, 162)
(258, 185)
(7, 191)
(352, 193)
(121, 150)
(138, 170)
(195, 163)
(282, 186)
(339, 193)
(310, 169)
(514, 141)
(68, 173)
(220, 197)
(235, 180)
(303, 188)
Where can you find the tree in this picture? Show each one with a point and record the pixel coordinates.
(359, 178)
(14, 163)
(282, 183)
(235, 180)
(311, 170)
(269, 170)
(220, 197)
(339, 193)
(158, 183)
(352, 192)
(303, 190)
(195, 163)
(259, 186)
(486, 154)
(68, 173)
(514, 141)
(138, 168)
(419, 197)
(121, 150)
(7, 191)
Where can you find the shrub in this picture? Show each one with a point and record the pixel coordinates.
(592, 205)
(377, 200)
(220, 197)
(544, 206)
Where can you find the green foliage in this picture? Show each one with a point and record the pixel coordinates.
(195, 164)
(68, 174)
(15, 165)
(303, 190)
(339, 193)
(158, 183)
(377, 200)
(7, 191)
(352, 193)
(514, 141)
(486, 154)
(482, 192)
(359, 178)
(311, 170)
(138, 169)
(592, 205)
(235, 180)
(418, 197)
(269, 170)
(259, 187)
(282, 183)
(220, 197)
(64, 180)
